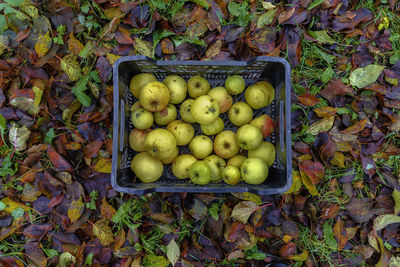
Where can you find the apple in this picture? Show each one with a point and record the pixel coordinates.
(135, 106)
(223, 98)
(139, 81)
(225, 144)
(182, 164)
(270, 90)
(136, 139)
(177, 88)
(169, 159)
(266, 152)
(240, 114)
(249, 136)
(216, 165)
(213, 128)
(154, 96)
(235, 84)
(182, 131)
(166, 115)
(184, 110)
(231, 175)
(265, 123)
(201, 146)
(142, 119)
(198, 86)
(254, 171)
(204, 110)
(147, 168)
(160, 143)
(200, 173)
(236, 161)
(257, 96)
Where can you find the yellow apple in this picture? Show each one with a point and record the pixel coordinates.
(204, 110)
(142, 119)
(249, 136)
(160, 143)
(240, 114)
(184, 110)
(147, 168)
(166, 115)
(201, 146)
(213, 128)
(139, 81)
(154, 96)
(182, 164)
(266, 152)
(136, 139)
(236, 161)
(216, 165)
(197, 86)
(177, 88)
(225, 144)
(223, 98)
(254, 171)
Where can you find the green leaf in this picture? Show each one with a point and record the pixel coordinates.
(363, 77)
(2, 205)
(266, 18)
(159, 4)
(49, 136)
(78, 91)
(50, 252)
(382, 221)
(15, 2)
(17, 213)
(328, 58)
(202, 3)
(322, 37)
(89, 259)
(173, 252)
(94, 75)
(214, 210)
(71, 67)
(396, 197)
(3, 24)
(158, 35)
(3, 124)
(315, 4)
(8, 167)
(327, 75)
(328, 235)
(87, 50)
(239, 10)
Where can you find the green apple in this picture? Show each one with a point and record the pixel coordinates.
(213, 128)
(204, 110)
(139, 81)
(136, 139)
(142, 119)
(201, 146)
(182, 164)
(236, 161)
(249, 136)
(265, 123)
(257, 96)
(223, 98)
(182, 131)
(225, 144)
(166, 115)
(177, 88)
(197, 86)
(154, 96)
(270, 90)
(254, 171)
(147, 168)
(240, 114)
(235, 84)
(216, 165)
(200, 173)
(184, 110)
(231, 175)
(160, 143)
(266, 152)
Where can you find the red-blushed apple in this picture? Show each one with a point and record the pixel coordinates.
(136, 139)
(265, 123)
(223, 98)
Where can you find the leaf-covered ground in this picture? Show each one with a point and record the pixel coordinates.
(56, 202)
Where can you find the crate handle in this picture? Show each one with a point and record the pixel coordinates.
(281, 126)
(122, 127)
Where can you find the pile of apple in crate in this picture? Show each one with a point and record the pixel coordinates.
(216, 153)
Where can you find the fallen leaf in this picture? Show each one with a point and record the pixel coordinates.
(363, 77)
(360, 209)
(58, 161)
(356, 128)
(43, 44)
(384, 259)
(314, 170)
(11, 205)
(396, 198)
(25, 103)
(104, 69)
(340, 233)
(335, 88)
(322, 37)
(199, 210)
(296, 183)
(18, 136)
(156, 261)
(382, 221)
(143, 47)
(103, 232)
(107, 211)
(323, 125)
(74, 45)
(266, 19)
(308, 100)
(325, 111)
(248, 196)
(286, 15)
(300, 257)
(75, 210)
(71, 67)
(103, 165)
(214, 49)
(308, 184)
(338, 159)
(287, 250)
(242, 211)
(173, 252)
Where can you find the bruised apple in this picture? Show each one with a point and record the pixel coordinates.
(136, 139)
(185, 109)
(166, 115)
(205, 109)
(142, 119)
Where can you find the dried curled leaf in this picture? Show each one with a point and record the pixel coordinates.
(70, 65)
(43, 44)
(103, 232)
(18, 136)
(75, 210)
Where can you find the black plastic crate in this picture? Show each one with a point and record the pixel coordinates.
(272, 69)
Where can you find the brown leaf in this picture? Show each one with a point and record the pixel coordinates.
(285, 15)
(314, 170)
(360, 209)
(308, 100)
(287, 250)
(329, 211)
(92, 149)
(119, 240)
(325, 111)
(356, 128)
(74, 45)
(104, 69)
(322, 125)
(22, 35)
(58, 161)
(107, 211)
(335, 88)
(214, 49)
(340, 233)
(122, 36)
(103, 232)
(235, 231)
(167, 47)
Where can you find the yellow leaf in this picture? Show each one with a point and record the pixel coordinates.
(107, 211)
(300, 257)
(74, 45)
(38, 95)
(296, 183)
(308, 184)
(143, 47)
(155, 261)
(287, 238)
(248, 196)
(325, 111)
(12, 205)
(70, 65)
(103, 232)
(304, 157)
(323, 125)
(103, 165)
(112, 58)
(75, 210)
(43, 44)
(338, 159)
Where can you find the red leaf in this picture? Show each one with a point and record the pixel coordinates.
(308, 100)
(236, 231)
(287, 250)
(335, 88)
(58, 161)
(22, 35)
(104, 69)
(314, 170)
(122, 36)
(55, 201)
(92, 149)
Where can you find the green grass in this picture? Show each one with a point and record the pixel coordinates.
(12, 246)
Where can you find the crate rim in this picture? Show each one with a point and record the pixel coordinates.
(195, 188)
